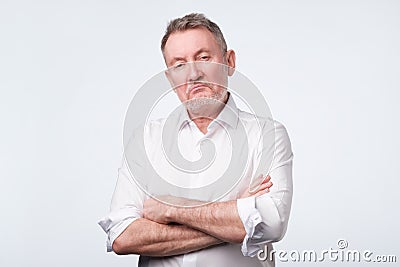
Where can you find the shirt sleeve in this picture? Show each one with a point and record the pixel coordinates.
(265, 218)
(126, 206)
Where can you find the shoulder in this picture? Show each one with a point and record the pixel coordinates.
(282, 137)
(283, 148)
(265, 124)
(267, 127)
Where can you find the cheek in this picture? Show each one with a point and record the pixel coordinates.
(217, 74)
(181, 92)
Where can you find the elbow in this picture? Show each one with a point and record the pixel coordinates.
(273, 232)
(239, 237)
(121, 246)
(118, 246)
(278, 235)
(128, 242)
(276, 231)
(270, 232)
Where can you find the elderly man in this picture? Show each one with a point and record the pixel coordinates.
(225, 230)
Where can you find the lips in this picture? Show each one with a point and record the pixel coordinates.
(197, 87)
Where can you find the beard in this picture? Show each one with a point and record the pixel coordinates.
(206, 106)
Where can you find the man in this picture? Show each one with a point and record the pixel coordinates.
(216, 230)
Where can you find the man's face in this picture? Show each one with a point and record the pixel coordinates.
(189, 56)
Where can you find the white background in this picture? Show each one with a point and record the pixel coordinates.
(68, 70)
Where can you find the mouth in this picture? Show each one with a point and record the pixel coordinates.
(197, 88)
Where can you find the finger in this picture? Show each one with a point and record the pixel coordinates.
(262, 192)
(257, 181)
(267, 179)
(264, 181)
(260, 187)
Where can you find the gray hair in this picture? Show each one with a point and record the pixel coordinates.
(192, 21)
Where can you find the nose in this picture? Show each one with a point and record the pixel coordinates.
(194, 72)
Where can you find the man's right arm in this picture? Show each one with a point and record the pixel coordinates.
(129, 233)
(145, 237)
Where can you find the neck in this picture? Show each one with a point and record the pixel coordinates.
(202, 123)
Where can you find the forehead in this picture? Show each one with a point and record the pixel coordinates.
(185, 43)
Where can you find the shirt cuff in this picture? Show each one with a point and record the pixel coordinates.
(116, 222)
(250, 218)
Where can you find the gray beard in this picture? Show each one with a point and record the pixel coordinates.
(204, 106)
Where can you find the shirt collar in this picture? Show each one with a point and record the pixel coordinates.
(228, 115)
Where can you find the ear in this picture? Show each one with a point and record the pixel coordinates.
(231, 61)
(168, 75)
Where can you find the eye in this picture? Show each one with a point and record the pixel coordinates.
(204, 57)
(179, 65)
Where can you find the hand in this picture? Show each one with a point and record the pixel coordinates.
(161, 209)
(156, 211)
(258, 188)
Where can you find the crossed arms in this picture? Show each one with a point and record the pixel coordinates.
(148, 227)
(168, 230)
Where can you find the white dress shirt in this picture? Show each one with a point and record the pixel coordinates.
(264, 218)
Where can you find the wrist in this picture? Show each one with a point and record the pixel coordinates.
(170, 213)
